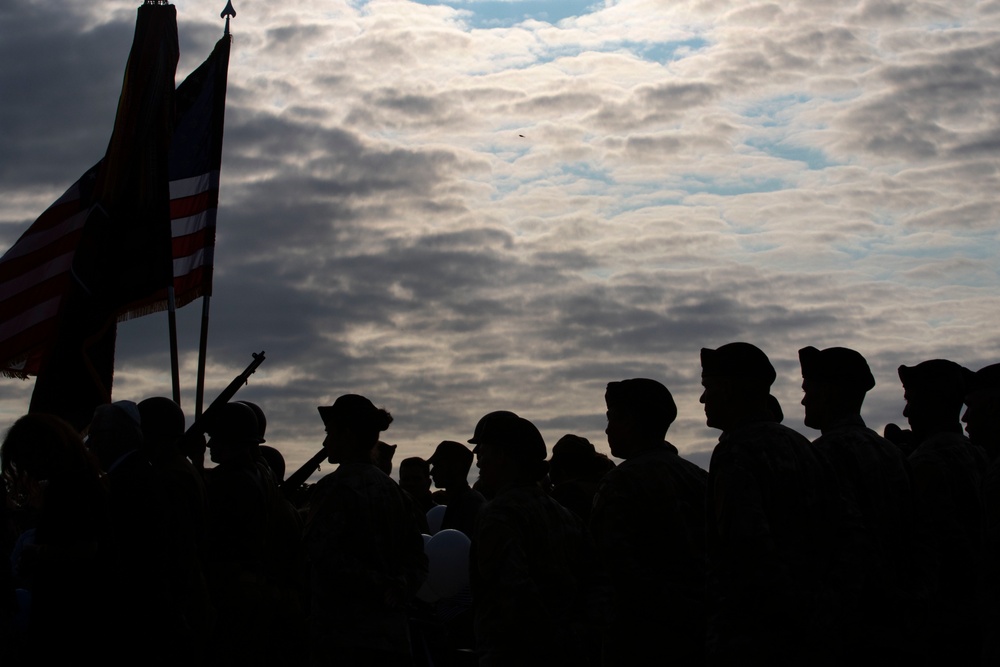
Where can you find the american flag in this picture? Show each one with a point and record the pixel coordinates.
(35, 272)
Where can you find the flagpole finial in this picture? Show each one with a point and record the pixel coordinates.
(228, 13)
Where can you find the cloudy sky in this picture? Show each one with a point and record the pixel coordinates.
(460, 207)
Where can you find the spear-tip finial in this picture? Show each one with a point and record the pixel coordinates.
(228, 13)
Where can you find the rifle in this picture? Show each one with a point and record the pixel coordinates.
(200, 425)
(294, 481)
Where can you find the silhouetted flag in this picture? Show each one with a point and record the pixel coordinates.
(35, 273)
(100, 247)
(195, 165)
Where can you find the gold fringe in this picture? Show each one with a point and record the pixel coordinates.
(161, 305)
(9, 372)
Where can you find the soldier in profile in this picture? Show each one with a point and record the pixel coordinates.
(415, 479)
(947, 472)
(648, 522)
(236, 543)
(879, 624)
(450, 465)
(773, 524)
(532, 562)
(365, 553)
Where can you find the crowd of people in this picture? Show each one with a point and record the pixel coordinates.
(855, 548)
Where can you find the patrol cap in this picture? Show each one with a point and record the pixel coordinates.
(936, 378)
(738, 360)
(644, 397)
(513, 433)
(355, 410)
(572, 452)
(839, 365)
(571, 444)
(985, 379)
(449, 450)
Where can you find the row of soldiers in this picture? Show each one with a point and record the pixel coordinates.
(849, 548)
(846, 550)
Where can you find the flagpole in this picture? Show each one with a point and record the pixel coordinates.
(175, 372)
(202, 353)
(206, 299)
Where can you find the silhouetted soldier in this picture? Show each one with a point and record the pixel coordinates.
(982, 423)
(575, 468)
(947, 472)
(773, 524)
(366, 556)
(879, 626)
(382, 455)
(236, 544)
(284, 557)
(532, 561)
(982, 412)
(51, 472)
(648, 522)
(415, 479)
(148, 610)
(450, 465)
(162, 423)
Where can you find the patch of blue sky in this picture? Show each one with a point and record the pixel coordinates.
(813, 158)
(772, 111)
(696, 186)
(753, 243)
(856, 251)
(631, 204)
(972, 247)
(660, 52)
(586, 171)
(506, 13)
(504, 187)
(505, 152)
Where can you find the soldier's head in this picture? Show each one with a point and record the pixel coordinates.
(736, 380)
(37, 448)
(162, 422)
(450, 464)
(352, 427)
(509, 450)
(834, 384)
(234, 433)
(639, 413)
(115, 430)
(382, 455)
(275, 461)
(982, 412)
(415, 476)
(258, 413)
(573, 457)
(934, 392)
